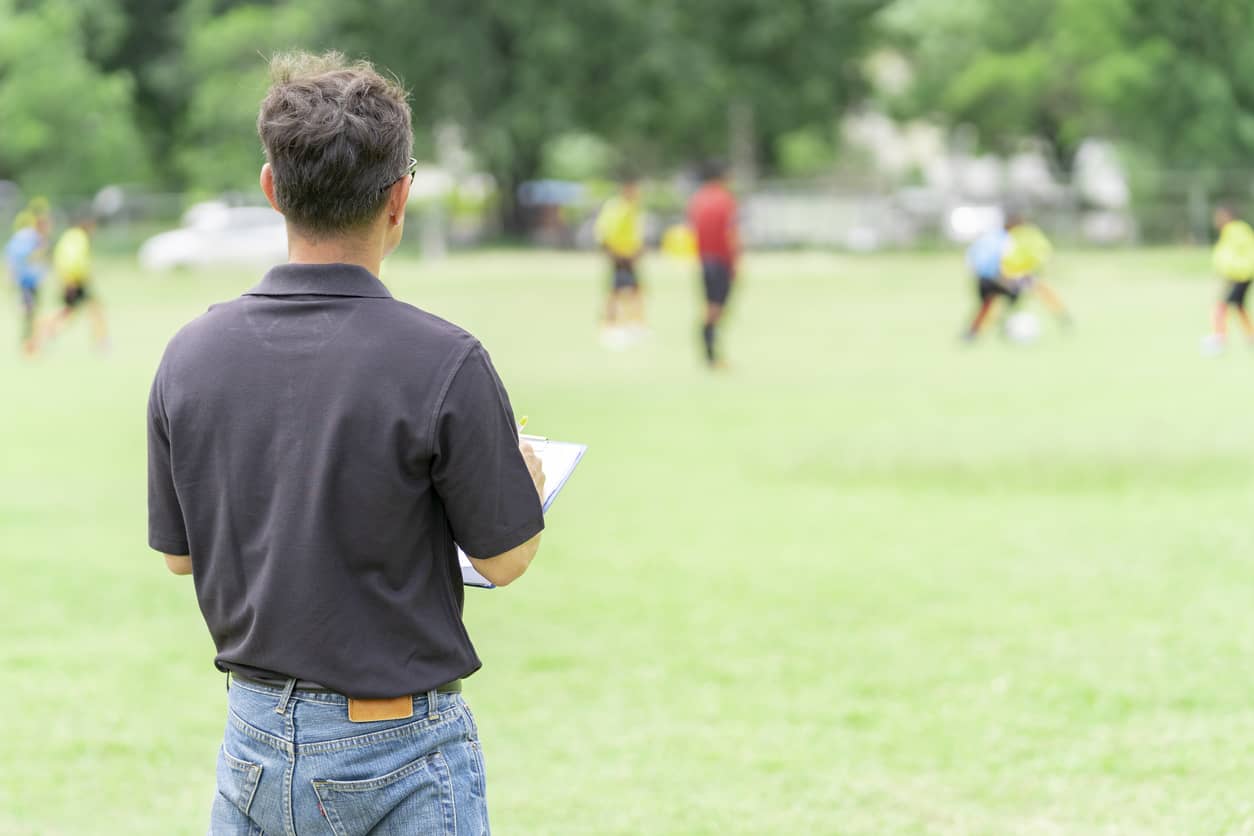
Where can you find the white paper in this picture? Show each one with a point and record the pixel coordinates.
(558, 460)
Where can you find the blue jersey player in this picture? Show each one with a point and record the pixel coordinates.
(26, 256)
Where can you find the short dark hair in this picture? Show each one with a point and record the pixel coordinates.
(713, 169)
(336, 135)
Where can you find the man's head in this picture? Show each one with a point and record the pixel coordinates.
(1013, 218)
(338, 140)
(630, 185)
(43, 223)
(713, 171)
(1223, 216)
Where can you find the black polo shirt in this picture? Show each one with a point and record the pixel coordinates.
(317, 447)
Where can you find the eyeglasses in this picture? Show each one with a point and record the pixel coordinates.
(410, 170)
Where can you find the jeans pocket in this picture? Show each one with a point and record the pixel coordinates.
(472, 729)
(237, 780)
(417, 798)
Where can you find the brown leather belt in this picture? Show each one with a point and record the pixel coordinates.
(359, 710)
(453, 687)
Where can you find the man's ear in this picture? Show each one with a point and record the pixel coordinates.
(398, 197)
(267, 186)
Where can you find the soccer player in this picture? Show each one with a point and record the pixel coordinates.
(620, 232)
(1023, 262)
(984, 257)
(712, 215)
(71, 259)
(1006, 262)
(26, 254)
(1233, 258)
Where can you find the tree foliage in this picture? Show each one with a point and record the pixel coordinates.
(98, 91)
(217, 147)
(1171, 79)
(654, 78)
(68, 127)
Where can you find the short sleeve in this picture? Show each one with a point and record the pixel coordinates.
(167, 531)
(604, 223)
(478, 471)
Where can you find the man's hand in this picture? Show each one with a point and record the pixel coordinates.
(533, 467)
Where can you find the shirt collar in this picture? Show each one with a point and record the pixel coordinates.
(320, 280)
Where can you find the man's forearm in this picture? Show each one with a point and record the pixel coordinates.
(508, 567)
(179, 564)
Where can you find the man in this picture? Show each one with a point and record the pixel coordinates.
(1233, 258)
(316, 452)
(26, 256)
(71, 259)
(620, 232)
(712, 215)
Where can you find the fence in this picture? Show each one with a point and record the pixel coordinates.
(851, 213)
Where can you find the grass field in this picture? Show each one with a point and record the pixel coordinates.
(869, 582)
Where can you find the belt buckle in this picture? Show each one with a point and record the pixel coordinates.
(372, 711)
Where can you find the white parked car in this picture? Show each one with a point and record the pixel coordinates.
(214, 233)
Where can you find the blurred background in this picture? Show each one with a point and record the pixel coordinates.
(850, 124)
(868, 579)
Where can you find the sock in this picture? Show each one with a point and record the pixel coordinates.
(1221, 320)
(1246, 325)
(707, 334)
(980, 316)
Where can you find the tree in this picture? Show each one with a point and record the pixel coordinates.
(217, 144)
(657, 78)
(1171, 80)
(68, 128)
(145, 39)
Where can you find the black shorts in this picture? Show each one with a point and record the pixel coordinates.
(990, 289)
(716, 275)
(1236, 293)
(624, 274)
(75, 295)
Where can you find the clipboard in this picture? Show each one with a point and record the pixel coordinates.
(558, 460)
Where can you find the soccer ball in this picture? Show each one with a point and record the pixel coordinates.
(1023, 328)
(1212, 345)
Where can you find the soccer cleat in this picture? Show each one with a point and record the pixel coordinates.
(615, 338)
(1212, 345)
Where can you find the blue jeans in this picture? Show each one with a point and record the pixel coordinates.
(291, 763)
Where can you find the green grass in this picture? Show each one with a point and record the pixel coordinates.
(868, 582)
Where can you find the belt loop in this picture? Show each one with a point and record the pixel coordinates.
(281, 708)
(433, 706)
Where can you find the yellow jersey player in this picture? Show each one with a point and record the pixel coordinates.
(1007, 263)
(1233, 258)
(620, 232)
(71, 260)
(1025, 260)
